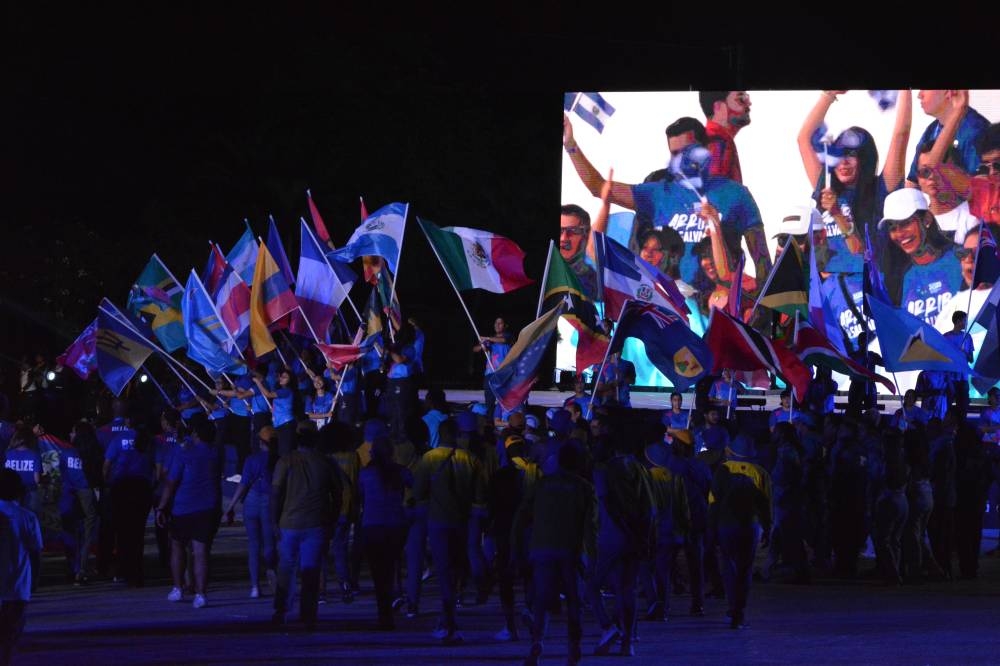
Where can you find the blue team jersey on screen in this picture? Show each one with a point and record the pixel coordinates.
(670, 204)
(928, 288)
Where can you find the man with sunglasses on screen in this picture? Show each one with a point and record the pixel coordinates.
(938, 104)
(574, 234)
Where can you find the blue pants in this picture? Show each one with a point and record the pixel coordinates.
(448, 547)
(614, 559)
(339, 550)
(551, 576)
(304, 549)
(416, 543)
(737, 549)
(260, 534)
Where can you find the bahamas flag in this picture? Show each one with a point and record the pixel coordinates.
(271, 298)
(909, 343)
(156, 299)
(512, 381)
(676, 351)
(380, 234)
(209, 342)
(121, 350)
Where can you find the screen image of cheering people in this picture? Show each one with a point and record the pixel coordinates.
(739, 197)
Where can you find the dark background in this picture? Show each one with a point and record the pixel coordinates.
(133, 131)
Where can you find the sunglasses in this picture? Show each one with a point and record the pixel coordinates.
(964, 252)
(892, 225)
(925, 172)
(986, 168)
(574, 231)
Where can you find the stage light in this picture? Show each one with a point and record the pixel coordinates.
(50, 375)
(143, 378)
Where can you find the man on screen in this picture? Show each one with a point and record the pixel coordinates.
(727, 112)
(676, 203)
(574, 234)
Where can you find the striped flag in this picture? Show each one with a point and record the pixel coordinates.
(591, 107)
(318, 290)
(814, 348)
(156, 299)
(121, 351)
(381, 233)
(243, 256)
(512, 381)
(271, 298)
(627, 277)
(476, 259)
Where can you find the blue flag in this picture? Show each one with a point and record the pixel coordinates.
(381, 234)
(909, 343)
(243, 256)
(592, 107)
(121, 350)
(676, 351)
(277, 250)
(209, 343)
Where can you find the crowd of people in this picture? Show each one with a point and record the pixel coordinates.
(566, 506)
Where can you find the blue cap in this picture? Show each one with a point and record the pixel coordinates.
(375, 428)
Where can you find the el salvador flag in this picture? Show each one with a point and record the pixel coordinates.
(380, 234)
(593, 108)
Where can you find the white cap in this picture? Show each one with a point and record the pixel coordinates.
(800, 220)
(902, 204)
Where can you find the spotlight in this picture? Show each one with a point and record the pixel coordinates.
(50, 376)
(143, 378)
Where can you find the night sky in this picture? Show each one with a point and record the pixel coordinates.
(131, 132)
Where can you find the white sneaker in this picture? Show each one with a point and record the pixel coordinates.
(199, 601)
(254, 592)
(175, 594)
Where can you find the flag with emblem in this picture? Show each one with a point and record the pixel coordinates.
(909, 343)
(627, 277)
(380, 234)
(676, 351)
(209, 341)
(512, 381)
(477, 259)
(121, 350)
(591, 107)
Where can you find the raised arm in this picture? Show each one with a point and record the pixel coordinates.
(720, 254)
(953, 119)
(600, 221)
(812, 123)
(621, 193)
(895, 161)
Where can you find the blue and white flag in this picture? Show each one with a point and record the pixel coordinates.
(243, 256)
(381, 234)
(592, 107)
(208, 338)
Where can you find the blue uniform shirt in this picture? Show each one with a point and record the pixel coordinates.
(196, 470)
(26, 463)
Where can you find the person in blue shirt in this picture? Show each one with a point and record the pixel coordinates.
(286, 409)
(166, 445)
(21, 545)
(783, 414)
(496, 347)
(22, 457)
(128, 472)
(675, 418)
(962, 341)
(194, 487)
(349, 404)
(254, 490)
(920, 269)
(78, 491)
(724, 392)
(437, 412)
(937, 103)
(713, 436)
(238, 419)
(319, 405)
(909, 416)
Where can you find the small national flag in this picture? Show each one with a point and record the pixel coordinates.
(271, 298)
(581, 314)
(121, 350)
(156, 299)
(512, 381)
(81, 356)
(627, 277)
(476, 259)
(320, 226)
(214, 269)
(340, 355)
(209, 342)
(243, 256)
(785, 289)
(676, 351)
(277, 250)
(873, 286)
(592, 107)
(380, 234)
(815, 349)
(909, 343)
(232, 300)
(736, 346)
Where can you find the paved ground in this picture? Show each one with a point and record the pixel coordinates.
(830, 621)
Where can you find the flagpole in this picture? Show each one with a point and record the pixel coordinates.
(459, 294)
(545, 277)
(395, 276)
(155, 383)
(347, 296)
(188, 386)
(607, 352)
(131, 327)
(770, 276)
(729, 400)
(177, 282)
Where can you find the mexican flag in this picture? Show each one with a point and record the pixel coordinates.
(476, 259)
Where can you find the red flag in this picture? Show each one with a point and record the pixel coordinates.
(317, 219)
(815, 349)
(736, 346)
(339, 356)
(364, 211)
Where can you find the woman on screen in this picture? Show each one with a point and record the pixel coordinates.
(851, 193)
(919, 264)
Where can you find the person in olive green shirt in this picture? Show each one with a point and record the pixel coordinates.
(449, 482)
(561, 510)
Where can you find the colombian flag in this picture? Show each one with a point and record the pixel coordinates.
(271, 298)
